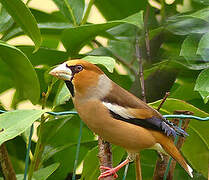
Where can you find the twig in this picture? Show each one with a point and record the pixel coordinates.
(138, 167)
(119, 59)
(6, 165)
(147, 32)
(77, 151)
(162, 161)
(84, 20)
(180, 140)
(28, 152)
(164, 99)
(105, 156)
(35, 163)
(161, 165)
(122, 61)
(141, 77)
(140, 73)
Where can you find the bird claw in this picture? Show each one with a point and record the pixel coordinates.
(109, 171)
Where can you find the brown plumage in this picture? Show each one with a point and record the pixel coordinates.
(115, 114)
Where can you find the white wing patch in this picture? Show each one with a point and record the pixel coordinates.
(121, 111)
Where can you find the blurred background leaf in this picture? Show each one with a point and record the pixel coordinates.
(173, 41)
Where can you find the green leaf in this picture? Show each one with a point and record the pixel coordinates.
(198, 140)
(186, 24)
(22, 72)
(86, 33)
(44, 173)
(44, 56)
(189, 47)
(71, 9)
(115, 9)
(62, 96)
(203, 49)
(53, 29)
(22, 15)
(16, 122)
(205, 2)
(91, 162)
(106, 61)
(41, 174)
(63, 140)
(202, 14)
(202, 85)
(6, 20)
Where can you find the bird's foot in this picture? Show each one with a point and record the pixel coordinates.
(109, 171)
(160, 155)
(112, 171)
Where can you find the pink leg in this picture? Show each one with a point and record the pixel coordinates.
(112, 171)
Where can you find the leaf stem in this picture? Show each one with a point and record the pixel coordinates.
(35, 163)
(28, 152)
(147, 41)
(71, 13)
(140, 73)
(77, 150)
(120, 59)
(86, 15)
(141, 77)
(162, 11)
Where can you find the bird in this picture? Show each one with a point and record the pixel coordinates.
(116, 115)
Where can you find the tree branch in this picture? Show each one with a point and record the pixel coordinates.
(141, 77)
(161, 165)
(140, 73)
(105, 156)
(164, 99)
(119, 59)
(147, 42)
(6, 165)
(180, 141)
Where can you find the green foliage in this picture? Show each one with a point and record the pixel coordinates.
(177, 62)
(18, 10)
(198, 134)
(16, 122)
(21, 71)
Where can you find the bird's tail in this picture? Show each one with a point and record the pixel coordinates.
(170, 148)
(178, 130)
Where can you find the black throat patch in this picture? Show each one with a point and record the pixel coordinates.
(70, 87)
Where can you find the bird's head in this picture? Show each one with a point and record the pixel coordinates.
(82, 75)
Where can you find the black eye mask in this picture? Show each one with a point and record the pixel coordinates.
(75, 69)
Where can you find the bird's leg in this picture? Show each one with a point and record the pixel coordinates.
(112, 171)
(160, 155)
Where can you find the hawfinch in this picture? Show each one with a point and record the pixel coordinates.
(116, 115)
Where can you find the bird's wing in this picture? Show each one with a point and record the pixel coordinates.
(124, 106)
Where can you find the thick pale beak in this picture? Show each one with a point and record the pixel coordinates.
(62, 72)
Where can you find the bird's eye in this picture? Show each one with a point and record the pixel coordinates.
(78, 68)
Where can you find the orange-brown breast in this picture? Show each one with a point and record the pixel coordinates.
(131, 137)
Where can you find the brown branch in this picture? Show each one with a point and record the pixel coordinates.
(164, 99)
(147, 42)
(122, 61)
(119, 59)
(6, 165)
(140, 73)
(161, 165)
(138, 167)
(181, 140)
(141, 77)
(162, 161)
(105, 156)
